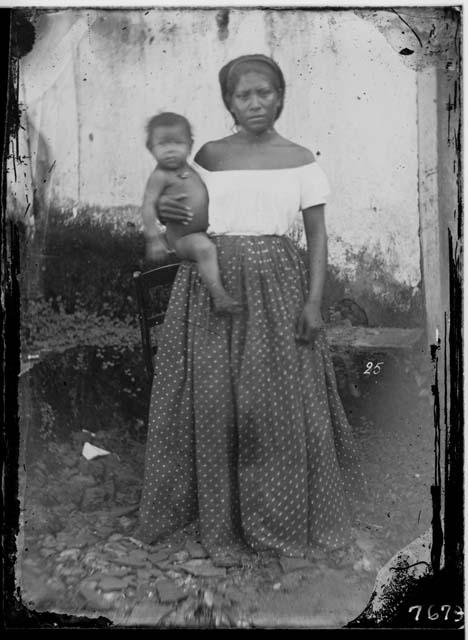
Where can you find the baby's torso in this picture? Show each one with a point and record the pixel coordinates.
(193, 186)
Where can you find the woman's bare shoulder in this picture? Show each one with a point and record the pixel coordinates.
(211, 154)
(296, 153)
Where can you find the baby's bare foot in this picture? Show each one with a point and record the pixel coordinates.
(226, 305)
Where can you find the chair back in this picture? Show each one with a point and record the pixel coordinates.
(152, 305)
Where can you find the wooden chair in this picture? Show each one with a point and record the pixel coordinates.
(152, 305)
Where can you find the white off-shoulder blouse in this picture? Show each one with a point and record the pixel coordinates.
(261, 201)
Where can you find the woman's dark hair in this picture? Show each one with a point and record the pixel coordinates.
(166, 119)
(233, 70)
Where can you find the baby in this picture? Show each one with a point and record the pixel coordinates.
(169, 140)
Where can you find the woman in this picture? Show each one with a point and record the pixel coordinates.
(247, 433)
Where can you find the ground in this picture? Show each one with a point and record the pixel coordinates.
(77, 554)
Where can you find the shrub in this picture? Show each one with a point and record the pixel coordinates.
(88, 262)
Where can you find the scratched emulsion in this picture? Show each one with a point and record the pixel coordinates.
(423, 36)
(374, 219)
(431, 37)
(9, 316)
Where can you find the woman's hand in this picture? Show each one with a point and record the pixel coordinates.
(174, 209)
(309, 323)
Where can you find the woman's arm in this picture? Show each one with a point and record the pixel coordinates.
(317, 246)
(311, 318)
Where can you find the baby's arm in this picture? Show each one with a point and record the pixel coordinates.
(156, 247)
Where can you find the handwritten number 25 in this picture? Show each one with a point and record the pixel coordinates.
(374, 368)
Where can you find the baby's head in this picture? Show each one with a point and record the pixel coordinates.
(169, 139)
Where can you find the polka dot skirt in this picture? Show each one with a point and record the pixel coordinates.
(246, 433)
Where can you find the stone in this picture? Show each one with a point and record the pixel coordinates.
(92, 497)
(195, 550)
(155, 572)
(65, 538)
(79, 542)
(115, 537)
(118, 512)
(117, 571)
(125, 522)
(46, 553)
(37, 594)
(69, 554)
(169, 592)
(139, 554)
(135, 559)
(157, 557)
(181, 556)
(85, 538)
(117, 549)
(148, 612)
(50, 541)
(183, 616)
(56, 584)
(175, 575)
(84, 480)
(236, 595)
(95, 561)
(363, 565)
(69, 572)
(93, 599)
(104, 531)
(111, 583)
(203, 568)
(112, 596)
(34, 563)
(75, 495)
(291, 581)
(136, 564)
(164, 566)
(273, 564)
(365, 544)
(143, 574)
(293, 564)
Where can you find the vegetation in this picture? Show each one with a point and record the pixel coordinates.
(77, 282)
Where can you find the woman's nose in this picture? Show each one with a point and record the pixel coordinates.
(254, 102)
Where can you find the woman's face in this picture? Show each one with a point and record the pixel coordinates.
(255, 102)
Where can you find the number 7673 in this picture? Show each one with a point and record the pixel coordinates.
(433, 613)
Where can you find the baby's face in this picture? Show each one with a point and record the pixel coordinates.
(170, 145)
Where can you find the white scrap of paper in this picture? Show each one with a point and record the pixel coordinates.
(90, 451)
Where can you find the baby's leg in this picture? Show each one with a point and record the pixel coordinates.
(199, 248)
